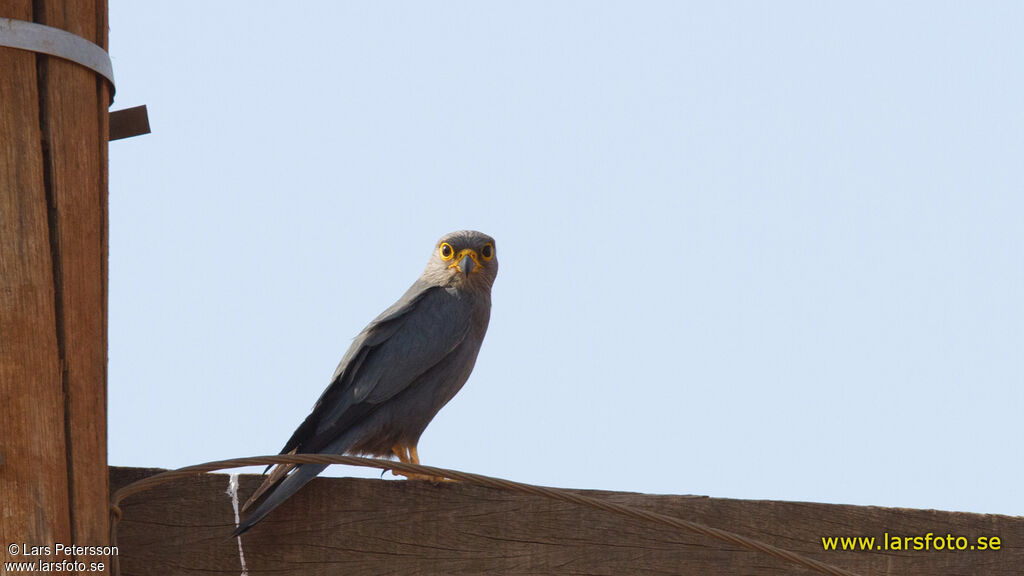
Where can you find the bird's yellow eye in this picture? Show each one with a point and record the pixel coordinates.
(487, 251)
(446, 251)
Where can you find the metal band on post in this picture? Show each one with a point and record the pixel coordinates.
(56, 42)
(51, 41)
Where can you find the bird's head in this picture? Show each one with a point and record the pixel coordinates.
(465, 259)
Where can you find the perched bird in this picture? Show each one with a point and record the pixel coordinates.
(399, 371)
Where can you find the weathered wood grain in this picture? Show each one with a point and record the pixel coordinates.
(33, 479)
(53, 250)
(73, 102)
(358, 526)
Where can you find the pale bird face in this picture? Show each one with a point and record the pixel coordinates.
(466, 258)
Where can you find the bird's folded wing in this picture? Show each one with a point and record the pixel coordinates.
(385, 359)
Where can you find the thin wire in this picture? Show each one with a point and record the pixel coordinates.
(499, 483)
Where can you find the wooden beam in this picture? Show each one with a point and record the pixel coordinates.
(358, 526)
(129, 122)
(53, 287)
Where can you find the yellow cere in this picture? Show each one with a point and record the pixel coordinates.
(462, 254)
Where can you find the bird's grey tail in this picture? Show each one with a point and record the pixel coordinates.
(290, 485)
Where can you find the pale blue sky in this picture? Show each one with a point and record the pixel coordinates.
(748, 249)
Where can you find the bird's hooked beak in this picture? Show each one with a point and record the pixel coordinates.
(466, 261)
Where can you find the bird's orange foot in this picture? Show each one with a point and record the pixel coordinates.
(408, 455)
(432, 479)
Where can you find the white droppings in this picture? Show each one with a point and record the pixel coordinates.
(233, 492)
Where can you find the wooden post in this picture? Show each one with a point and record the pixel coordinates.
(53, 290)
(361, 527)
